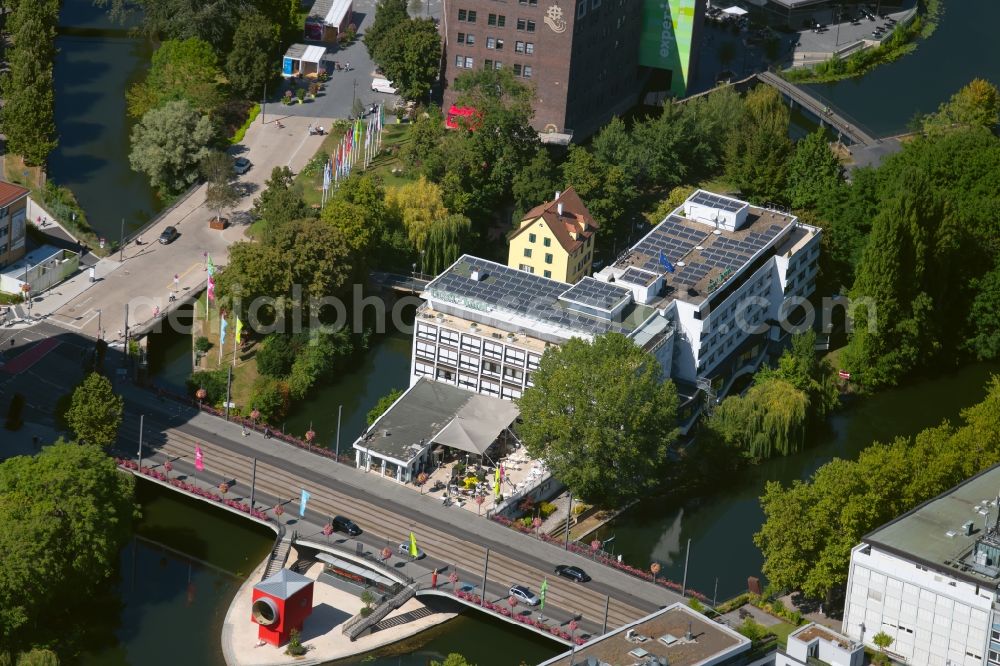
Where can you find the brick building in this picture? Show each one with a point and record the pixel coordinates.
(581, 56)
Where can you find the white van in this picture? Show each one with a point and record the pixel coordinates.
(383, 86)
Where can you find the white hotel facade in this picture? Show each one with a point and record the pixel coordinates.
(929, 579)
(706, 291)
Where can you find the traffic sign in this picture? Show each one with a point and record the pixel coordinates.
(843, 374)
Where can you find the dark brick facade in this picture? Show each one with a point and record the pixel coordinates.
(583, 74)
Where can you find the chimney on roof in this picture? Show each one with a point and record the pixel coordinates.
(559, 208)
(689, 635)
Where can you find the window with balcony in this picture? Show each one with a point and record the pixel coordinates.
(425, 350)
(426, 332)
(493, 350)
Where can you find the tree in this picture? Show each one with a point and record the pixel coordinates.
(38, 657)
(808, 372)
(410, 56)
(977, 105)
(275, 355)
(64, 515)
(601, 418)
(95, 413)
(770, 419)
(813, 169)
(445, 241)
(388, 14)
(281, 200)
(882, 641)
(217, 167)
(426, 133)
(271, 397)
(758, 154)
(181, 70)
(250, 63)
(27, 87)
(677, 196)
(605, 188)
(417, 206)
(984, 316)
(169, 143)
(535, 183)
(383, 405)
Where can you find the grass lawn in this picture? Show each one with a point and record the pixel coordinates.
(781, 630)
(245, 371)
(393, 137)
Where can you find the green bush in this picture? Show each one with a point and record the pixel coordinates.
(752, 629)
(271, 397)
(546, 509)
(202, 345)
(241, 132)
(315, 165)
(696, 605)
(295, 647)
(276, 355)
(214, 383)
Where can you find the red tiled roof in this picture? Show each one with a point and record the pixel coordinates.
(9, 193)
(575, 218)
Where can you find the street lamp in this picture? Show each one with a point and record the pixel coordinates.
(99, 336)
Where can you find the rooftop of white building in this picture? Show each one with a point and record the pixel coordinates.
(706, 241)
(957, 532)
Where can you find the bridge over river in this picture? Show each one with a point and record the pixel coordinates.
(269, 472)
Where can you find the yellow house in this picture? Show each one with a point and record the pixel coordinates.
(555, 239)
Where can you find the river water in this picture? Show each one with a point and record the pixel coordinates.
(721, 525)
(95, 63)
(182, 569)
(962, 48)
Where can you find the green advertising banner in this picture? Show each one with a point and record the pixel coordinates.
(665, 43)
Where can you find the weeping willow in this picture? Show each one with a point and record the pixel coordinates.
(444, 242)
(769, 420)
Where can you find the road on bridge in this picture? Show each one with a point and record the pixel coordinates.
(386, 512)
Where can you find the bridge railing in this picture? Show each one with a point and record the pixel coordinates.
(820, 99)
(359, 623)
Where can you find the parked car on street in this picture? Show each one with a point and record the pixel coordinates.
(168, 236)
(574, 573)
(404, 550)
(341, 524)
(524, 595)
(241, 165)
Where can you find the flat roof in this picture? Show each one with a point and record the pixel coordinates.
(703, 258)
(501, 290)
(814, 631)
(434, 412)
(331, 12)
(664, 633)
(795, 4)
(933, 533)
(305, 53)
(39, 255)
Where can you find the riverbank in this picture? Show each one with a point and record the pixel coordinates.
(904, 40)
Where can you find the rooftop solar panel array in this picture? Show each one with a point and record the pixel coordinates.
(715, 201)
(516, 291)
(593, 293)
(689, 275)
(672, 238)
(638, 276)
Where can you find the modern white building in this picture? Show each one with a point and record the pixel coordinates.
(929, 579)
(814, 644)
(706, 291)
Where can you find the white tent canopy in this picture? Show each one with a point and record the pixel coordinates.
(477, 424)
(734, 11)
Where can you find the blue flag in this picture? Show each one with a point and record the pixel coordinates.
(303, 501)
(666, 264)
(222, 332)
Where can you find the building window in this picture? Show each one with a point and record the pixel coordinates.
(529, 3)
(517, 70)
(489, 388)
(529, 47)
(425, 350)
(445, 376)
(470, 39)
(466, 381)
(491, 368)
(461, 38)
(426, 332)
(499, 45)
(497, 65)
(548, 274)
(467, 16)
(548, 258)
(422, 369)
(527, 71)
(449, 356)
(533, 361)
(491, 42)
(527, 252)
(547, 242)
(518, 46)
(487, 64)
(510, 393)
(468, 63)
(493, 350)
(532, 238)
(469, 362)
(472, 16)
(471, 344)
(5, 211)
(459, 61)
(581, 9)
(501, 21)
(496, 20)
(449, 337)
(525, 267)
(525, 25)
(514, 356)
(513, 374)
(594, 4)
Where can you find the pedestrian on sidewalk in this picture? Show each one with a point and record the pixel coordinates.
(177, 282)
(267, 433)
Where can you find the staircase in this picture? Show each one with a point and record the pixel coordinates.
(279, 555)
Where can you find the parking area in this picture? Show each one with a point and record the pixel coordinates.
(336, 100)
(853, 28)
